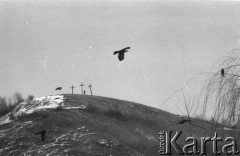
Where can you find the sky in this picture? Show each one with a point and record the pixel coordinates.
(49, 44)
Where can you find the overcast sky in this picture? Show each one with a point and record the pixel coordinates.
(44, 45)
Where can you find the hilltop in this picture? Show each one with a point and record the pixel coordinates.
(89, 125)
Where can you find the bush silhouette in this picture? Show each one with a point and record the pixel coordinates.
(8, 104)
(30, 97)
(18, 97)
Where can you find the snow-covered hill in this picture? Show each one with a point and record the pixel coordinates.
(38, 104)
(87, 125)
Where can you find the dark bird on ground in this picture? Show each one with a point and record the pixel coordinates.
(121, 53)
(58, 88)
(43, 135)
(222, 72)
(183, 120)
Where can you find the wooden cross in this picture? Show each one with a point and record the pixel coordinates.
(82, 86)
(90, 88)
(72, 88)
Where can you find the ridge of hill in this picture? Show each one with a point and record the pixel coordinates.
(88, 125)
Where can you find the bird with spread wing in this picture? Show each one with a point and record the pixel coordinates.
(121, 53)
(58, 88)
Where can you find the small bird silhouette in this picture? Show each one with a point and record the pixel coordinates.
(183, 121)
(43, 135)
(121, 53)
(58, 88)
(222, 72)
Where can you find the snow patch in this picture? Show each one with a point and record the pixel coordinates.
(149, 137)
(103, 142)
(5, 119)
(51, 101)
(80, 107)
(37, 104)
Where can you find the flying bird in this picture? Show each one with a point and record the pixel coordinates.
(43, 135)
(222, 72)
(58, 88)
(121, 53)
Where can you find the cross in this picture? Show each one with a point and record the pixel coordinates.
(72, 88)
(90, 88)
(82, 86)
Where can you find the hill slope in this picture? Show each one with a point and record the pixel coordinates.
(88, 125)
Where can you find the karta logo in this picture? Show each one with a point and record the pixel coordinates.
(168, 142)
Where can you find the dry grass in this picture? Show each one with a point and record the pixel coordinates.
(224, 91)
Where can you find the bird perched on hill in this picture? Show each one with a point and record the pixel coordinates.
(121, 53)
(58, 88)
(222, 72)
(183, 120)
(43, 135)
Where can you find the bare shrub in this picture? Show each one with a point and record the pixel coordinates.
(3, 106)
(18, 97)
(30, 97)
(223, 90)
(8, 104)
